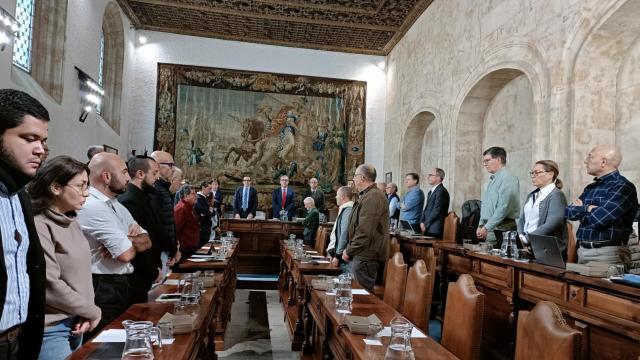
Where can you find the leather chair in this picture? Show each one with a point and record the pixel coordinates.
(321, 240)
(572, 245)
(394, 247)
(544, 334)
(396, 281)
(463, 317)
(450, 231)
(417, 295)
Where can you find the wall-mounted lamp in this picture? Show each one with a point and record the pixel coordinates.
(90, 94)
(8, 28)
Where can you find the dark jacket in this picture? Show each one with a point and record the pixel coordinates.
(146, 263)
(201, 208)
(369, 226)
(253, 202)
(435, 211)
(318, 198)
(31, 335)
(289, 203)
(217, 202)
(396, 214)
(163, 202)
(551, 219)
(311, 223)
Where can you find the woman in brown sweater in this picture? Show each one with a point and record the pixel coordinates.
(58, 190)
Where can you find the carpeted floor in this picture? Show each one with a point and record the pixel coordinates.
(257, 329)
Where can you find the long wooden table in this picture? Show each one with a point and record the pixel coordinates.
(291, 287)
(331, 336)
(259, 245)
(607, 314)
(213, 315)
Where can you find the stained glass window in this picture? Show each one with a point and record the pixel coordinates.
(22, 44)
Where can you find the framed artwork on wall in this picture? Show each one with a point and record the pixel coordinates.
(110, 149)
(226, 123)
(388, 178)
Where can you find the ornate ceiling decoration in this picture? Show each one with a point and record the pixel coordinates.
(356, 26)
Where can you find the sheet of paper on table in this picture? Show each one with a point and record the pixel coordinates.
(415, 333)
(359, 292)
(172, 282)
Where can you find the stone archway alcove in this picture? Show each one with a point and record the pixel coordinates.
(499, 110)
(113, 31)
(419, 141)
(606, 92)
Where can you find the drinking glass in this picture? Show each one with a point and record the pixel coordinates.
(373, 331)
(166, 330)
(344, 305)
(615, 271)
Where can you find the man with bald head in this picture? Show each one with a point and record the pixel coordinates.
(605, 209)
(163, 201)
(114, 236)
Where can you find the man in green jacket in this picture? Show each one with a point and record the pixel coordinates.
(311, 222)
(368, 229)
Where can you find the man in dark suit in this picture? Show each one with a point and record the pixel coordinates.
(204, 211)
(216, 194)
(316, 193)
(284, 198)
(432, 220)
(24, 127)
(246, 200)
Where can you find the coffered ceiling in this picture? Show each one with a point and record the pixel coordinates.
(356, 26)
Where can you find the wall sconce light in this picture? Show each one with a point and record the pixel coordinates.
(8, 28)
(90, 94)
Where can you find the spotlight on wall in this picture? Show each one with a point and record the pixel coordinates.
(8, 28)
(91, 94)
(142, 39)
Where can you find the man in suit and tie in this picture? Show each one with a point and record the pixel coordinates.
(246, 200)
(284, 198)
(432, 220)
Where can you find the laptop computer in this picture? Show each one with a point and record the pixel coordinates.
(546, 250)
(405, 225)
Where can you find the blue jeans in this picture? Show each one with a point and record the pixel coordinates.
(58, 342)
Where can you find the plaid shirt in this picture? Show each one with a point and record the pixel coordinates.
(616, 200)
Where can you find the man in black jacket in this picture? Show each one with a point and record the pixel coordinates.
(204, 211)
(163, 202)
(432, 220)
(147, 266)
(24, 125)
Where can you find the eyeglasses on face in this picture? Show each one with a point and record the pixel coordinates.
(169, 164)
(246, 180)
(486, 161)
(81, 188)
(536, 173)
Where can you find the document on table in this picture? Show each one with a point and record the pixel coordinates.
(111, 335)
(200, 256)
(372, 342)
(172, 282)
(359, 292)
(415, 333)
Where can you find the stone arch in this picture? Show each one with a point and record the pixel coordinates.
(598, 106)
(419, 132)
(113, 31)
(501, 65)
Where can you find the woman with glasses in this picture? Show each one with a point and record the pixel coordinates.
(58, 190)
(543, 211)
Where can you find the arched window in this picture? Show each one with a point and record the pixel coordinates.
(22, 44)
(112, 60)
(39, 48)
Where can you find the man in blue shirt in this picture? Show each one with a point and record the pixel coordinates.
(605, 209)
(411, 206)
(24, 126)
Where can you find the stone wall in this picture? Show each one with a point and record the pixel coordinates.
(544, 79)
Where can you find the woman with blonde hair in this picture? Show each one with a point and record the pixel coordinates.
(543, 211)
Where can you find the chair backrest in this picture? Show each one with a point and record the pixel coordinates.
(463, 317)
(321, 240)
(417, 295)
(394, 247)
(396, 281)
(544, 334)
(572, 245)
(450, 227)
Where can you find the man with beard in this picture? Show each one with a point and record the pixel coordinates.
(114, 236)
(163, 202)
(204, 211)
(147, 267)
(24, 125)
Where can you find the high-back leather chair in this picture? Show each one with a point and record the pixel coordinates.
(396, 281)
(572, 245)
(544, 334)
(394, 247)
(463, 317)
(321, 240)
(450, 232)
(417, 295)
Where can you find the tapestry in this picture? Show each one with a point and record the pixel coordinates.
(222, 123)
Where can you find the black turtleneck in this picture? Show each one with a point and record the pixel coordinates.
(13, 179)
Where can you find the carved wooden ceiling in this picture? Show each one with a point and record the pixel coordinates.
(357, 26)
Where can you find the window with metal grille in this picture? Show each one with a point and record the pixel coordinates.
(22, 44)
(101, 70)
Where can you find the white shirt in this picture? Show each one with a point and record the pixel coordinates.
(532, 209)
(106, 222)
